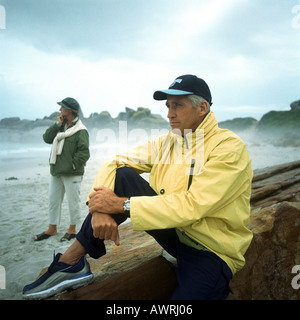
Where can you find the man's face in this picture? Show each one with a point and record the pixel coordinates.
(182, 115)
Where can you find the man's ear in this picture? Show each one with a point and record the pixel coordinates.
(203, 108)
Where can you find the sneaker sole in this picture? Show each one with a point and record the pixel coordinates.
(74, 283)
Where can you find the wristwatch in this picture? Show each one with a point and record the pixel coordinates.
(126, 206)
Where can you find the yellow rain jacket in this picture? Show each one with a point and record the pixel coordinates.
(203, 188)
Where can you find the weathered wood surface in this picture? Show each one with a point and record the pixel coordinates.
(276, 184)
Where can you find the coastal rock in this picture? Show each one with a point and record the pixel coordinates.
(275, 248)
(274, 251)
(9, 121)
(141, 118)
(295, 105)
(276, 184)
(137, 269)
(238, 124)
(11, 178)
(280, 128)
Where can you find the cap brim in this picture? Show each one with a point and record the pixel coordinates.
(162, 94)
(61, 104)
(65, 106)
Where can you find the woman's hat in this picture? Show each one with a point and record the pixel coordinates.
(70, 103)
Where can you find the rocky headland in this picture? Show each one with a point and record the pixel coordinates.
(275, 127)
(14, 129)
(281, 128)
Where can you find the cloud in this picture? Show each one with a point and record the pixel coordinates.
(108, 84)
(101, 29)
(111, 53)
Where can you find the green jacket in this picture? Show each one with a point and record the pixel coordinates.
(75, 152)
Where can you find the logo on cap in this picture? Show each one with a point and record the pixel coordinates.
(176, 80)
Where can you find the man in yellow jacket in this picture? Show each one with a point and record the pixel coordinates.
(196, 204)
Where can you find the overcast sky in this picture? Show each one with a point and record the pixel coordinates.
(112, 54)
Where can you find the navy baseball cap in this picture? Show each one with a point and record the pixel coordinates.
(184, 85)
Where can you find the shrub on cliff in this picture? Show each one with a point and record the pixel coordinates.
(239, 124)
(280, 120)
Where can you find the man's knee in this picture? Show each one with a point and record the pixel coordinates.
(129, 183)
(125, 172)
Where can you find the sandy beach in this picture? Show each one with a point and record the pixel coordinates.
(23, 211)
(23, 214)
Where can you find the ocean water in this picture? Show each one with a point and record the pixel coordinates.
(16, 149)
(262, 152)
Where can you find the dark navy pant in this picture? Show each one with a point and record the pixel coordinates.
(201, 275)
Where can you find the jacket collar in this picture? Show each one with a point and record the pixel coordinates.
(206, 127)
(209, 124)
(72, 125)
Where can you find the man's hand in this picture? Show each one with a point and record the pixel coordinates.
(105, 227)
(104, 200)
(102, 203)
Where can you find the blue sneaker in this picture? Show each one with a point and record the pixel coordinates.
(59, 277)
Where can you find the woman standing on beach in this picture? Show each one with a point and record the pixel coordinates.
(69, 154)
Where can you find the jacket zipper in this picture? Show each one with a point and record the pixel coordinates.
(191, 173)
(192, 165)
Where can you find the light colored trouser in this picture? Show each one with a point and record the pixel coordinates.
(58, 187)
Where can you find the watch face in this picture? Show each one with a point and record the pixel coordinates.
(126, 205)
